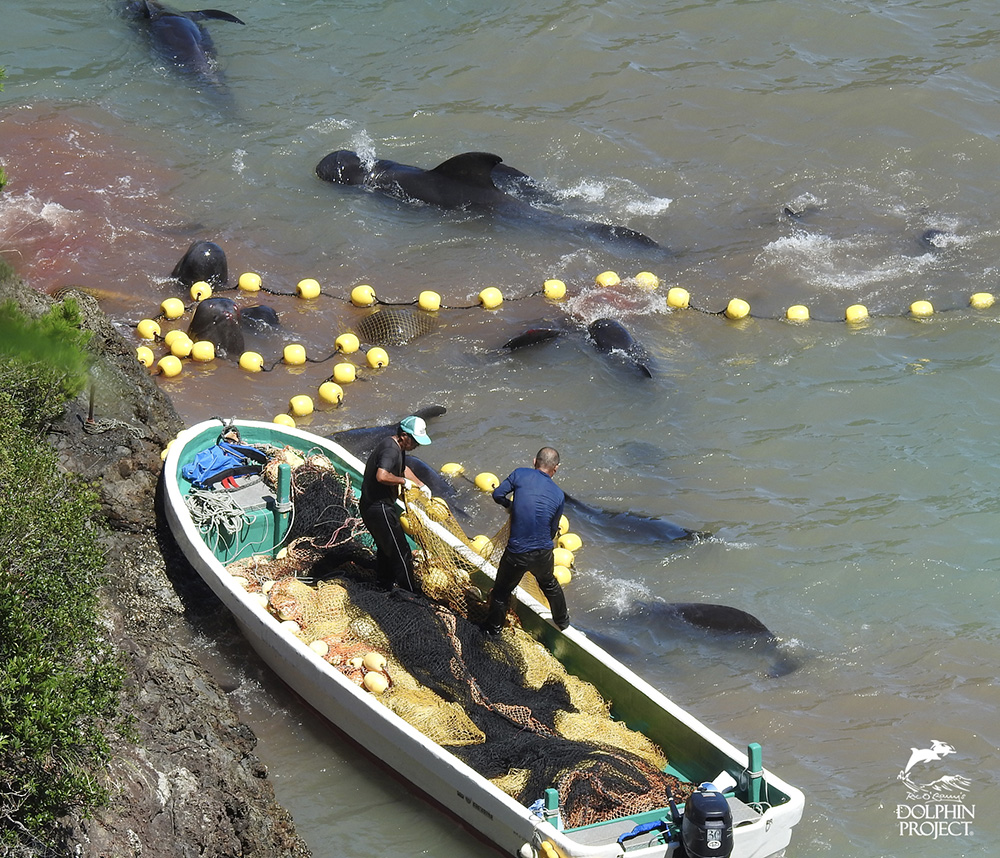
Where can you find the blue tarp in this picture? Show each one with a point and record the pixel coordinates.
(220, 461)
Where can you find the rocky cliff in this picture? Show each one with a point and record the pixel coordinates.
(189, 784)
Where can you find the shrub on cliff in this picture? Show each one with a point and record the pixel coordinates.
(43, 362)
(60, 679)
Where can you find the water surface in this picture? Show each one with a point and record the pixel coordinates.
(848, 474)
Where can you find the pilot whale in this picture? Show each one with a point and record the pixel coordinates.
(362, 440)
(221, 322)
(477, 181)
(179, 38)
(646, 624)
(625, 526)
(609, 336)
(203, 260)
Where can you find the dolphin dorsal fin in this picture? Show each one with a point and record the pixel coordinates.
(472, 168)
(202, 14)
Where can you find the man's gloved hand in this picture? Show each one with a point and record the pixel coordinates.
(425, 491)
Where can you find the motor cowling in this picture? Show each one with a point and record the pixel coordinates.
(707, 826)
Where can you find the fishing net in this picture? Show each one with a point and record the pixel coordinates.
(503, 704)
(394, 327)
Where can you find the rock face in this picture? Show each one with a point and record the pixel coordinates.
(190, 785)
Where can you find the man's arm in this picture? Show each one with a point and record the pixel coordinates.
(390, 479)
(501, 491)
(412, 477)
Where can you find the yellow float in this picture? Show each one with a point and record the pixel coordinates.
(647, 280)
(330, 391)
(148, 329)
(491, 297)
(429, 301)
(200, 291)
(737, 309)
(173, 308)
(308, 288)
(347, 344)
(486, 481)
(251, 362)
(377, 358)
(607, 278)
(249, 282)
(856, 313)
(363, 295)
(203, 351)
(554, 290)
(301, 405)
(678, 298)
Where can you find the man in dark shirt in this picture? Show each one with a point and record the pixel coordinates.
(534, 521)
(386, 473)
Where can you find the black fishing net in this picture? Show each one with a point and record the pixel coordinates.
(502, 704)
(486, 677)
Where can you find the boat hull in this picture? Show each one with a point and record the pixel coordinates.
(512, 827)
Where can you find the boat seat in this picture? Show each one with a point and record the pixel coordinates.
(254, 496)
(743, 813)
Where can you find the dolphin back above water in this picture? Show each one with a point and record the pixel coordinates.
(607, 335)
(472, 180)
(362, 440)
(724, 623)
(179, 38)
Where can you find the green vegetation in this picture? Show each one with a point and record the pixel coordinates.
(3, 173)
(60, 679)
(42, 361)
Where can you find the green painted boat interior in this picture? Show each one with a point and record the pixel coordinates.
(262, 530)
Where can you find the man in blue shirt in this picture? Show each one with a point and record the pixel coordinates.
(534, 521)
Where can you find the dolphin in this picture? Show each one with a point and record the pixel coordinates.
(362, 440)
(719, 622)
(625, 526)
(532, 337)
(608, 336)
(220, 321)
(439, 486)
(179, 38)
(467, 181)
(933, 239)
(259, 320)
(203, 260)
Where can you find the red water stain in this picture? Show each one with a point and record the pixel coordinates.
(85, 205)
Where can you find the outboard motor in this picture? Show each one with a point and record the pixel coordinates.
(707, 827)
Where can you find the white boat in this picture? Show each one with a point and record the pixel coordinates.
(744, 809)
